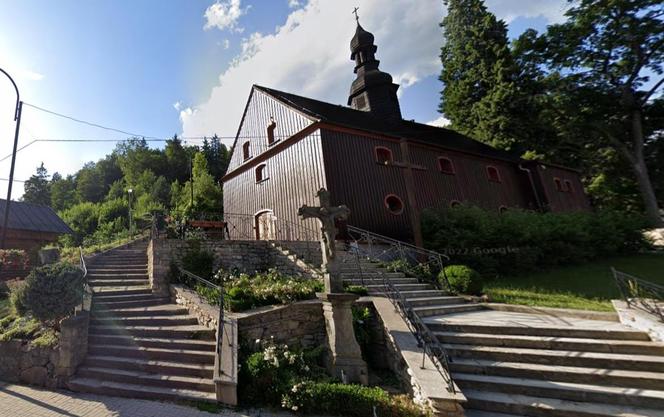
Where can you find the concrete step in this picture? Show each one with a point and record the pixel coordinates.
(123, 301)
(152, 321)
(160, 354)
(479, 413)
(646, 363)
(118, 266)
(96, 386)
(554, 343)
(548, 407)
(563, 390)
(401, 287)
(176, 332)
(435, 310)
(148, 379)
(379, 281)
(538, 331)
(104, 293)
(373, 274)
(117, 275)
(574, 374)
(184, 344)
(96, 282)
(149, 311)
(435, 301)
(195, 370)
(422, 294)
(111, 271)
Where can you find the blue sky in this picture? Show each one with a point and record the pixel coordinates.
(154, 68)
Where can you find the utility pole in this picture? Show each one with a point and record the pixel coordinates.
(191, 181)
(17, 119)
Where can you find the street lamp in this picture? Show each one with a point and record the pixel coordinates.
(17, 119)
(129, 192)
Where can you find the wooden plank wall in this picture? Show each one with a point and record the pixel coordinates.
(260, 109)
(294, 177)
(558, 201)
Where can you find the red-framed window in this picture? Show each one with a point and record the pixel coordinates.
(559, 184)
(246, 152)
(261, 173)
(383, 155)
(394, 204)
(455, 203)
(569, 187)
(493, 174)
(502, 209)
(446, 166)
(270, 131)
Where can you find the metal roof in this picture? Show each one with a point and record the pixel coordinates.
(33, 217)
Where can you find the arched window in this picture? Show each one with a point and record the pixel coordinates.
(559, 184)
(455, 203)
(245, 151)
(394, 204)
(383, 155)
(270, 131)
(569, 187)
(492, 174)
(261, 173)
(446, 166)
(502, 209)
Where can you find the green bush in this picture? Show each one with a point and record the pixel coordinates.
(462, 279)
(198, 261)
(520, 241)
(360, 290)
(52, 291)
(17, 293)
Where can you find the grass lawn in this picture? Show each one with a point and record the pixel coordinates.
(589, 286)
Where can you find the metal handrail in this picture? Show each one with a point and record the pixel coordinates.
(86, 285)
(640, 294)
(218, 371)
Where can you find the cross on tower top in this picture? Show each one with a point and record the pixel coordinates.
(357, 18)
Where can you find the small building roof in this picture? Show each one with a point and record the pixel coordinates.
(348, 117)
(33, 217)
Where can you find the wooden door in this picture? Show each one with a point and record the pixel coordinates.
(265, 225)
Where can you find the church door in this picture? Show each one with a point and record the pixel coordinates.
(265, 225)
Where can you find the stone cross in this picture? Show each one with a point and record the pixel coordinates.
(327, 215)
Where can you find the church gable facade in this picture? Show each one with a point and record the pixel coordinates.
(385, 169)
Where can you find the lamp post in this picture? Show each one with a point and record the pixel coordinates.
(17, 119)
(129, 193)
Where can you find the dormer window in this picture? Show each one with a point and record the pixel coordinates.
(383, 155)
(261, 173)
(446, 166)
(270, 131)
(492, 174)
(246, 154)
(559, 184)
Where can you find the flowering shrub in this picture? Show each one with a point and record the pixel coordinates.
(244, 292)
(14, 259)
(294, 380)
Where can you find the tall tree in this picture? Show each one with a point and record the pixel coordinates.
(37, 188)
(177, 159)
(478, 75)
(612, 53)
(90, 184)
(63, 192)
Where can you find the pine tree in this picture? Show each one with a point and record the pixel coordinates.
(478, 75)
(37, 189)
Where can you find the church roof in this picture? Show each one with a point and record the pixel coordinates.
(33, 217)
(348, 117)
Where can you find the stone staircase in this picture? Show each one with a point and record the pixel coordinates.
(583, 369)
(425, 298)
(141, 345)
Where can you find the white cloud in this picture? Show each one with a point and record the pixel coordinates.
(177, 105)
(224, 15)
(227, 43)
(310, 55)
(294, 4)
(442, 121)
(508, 10)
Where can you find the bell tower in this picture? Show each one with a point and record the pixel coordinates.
(372, 90)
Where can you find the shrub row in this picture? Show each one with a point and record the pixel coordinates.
(518, 241)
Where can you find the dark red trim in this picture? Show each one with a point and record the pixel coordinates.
(387, 206)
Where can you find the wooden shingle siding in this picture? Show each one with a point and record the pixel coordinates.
(295, 176)
(253, 129)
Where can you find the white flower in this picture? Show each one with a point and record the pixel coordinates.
(258, 341)
(294, 408)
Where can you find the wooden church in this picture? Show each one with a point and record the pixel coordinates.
(385, 169)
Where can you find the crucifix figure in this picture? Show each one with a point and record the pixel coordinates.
(357, 18)
(327, 215)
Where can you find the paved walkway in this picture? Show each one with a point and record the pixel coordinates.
(22, 401)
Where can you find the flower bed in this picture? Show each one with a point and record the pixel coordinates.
(295, 380)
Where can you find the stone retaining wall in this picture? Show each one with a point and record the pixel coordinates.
(46, 366)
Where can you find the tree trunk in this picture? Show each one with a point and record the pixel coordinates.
(641, 172)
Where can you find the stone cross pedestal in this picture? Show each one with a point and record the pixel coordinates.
(345, 361)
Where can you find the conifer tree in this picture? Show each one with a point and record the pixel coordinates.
(478, 75)
(37, 190)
